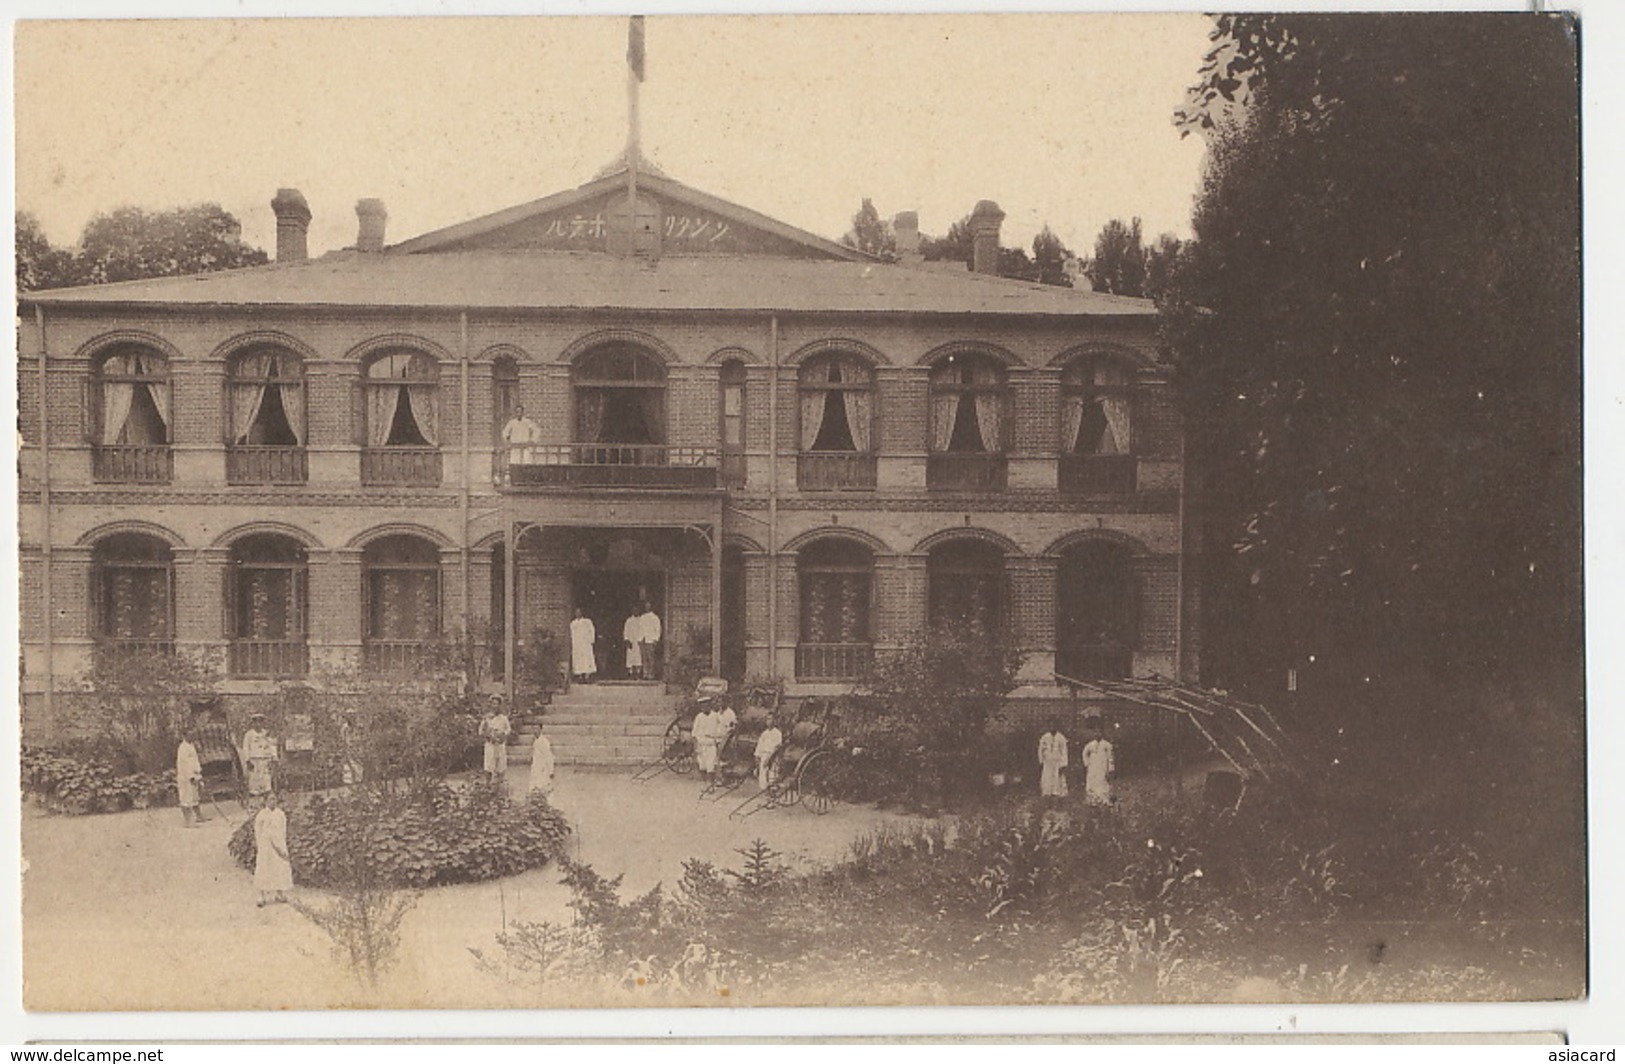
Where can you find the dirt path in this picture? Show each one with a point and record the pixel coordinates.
(131, 911)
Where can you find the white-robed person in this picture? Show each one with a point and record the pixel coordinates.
(1099, 766)
(723, 723)
(650, 633)
(632, 636)
(189, 781)
(583, 634)
(1053, 758)
(767, 748)
(494, 730)
(273, 871)
(705, 747)
(541, 766)
(519, 431)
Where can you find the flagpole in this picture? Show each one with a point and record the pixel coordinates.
(634, 77)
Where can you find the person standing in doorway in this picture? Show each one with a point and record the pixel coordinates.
(632, 636)
(1052, 763)
(650, 631)
(583, 634)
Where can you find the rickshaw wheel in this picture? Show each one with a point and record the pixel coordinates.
(813, 788)
(679, 754)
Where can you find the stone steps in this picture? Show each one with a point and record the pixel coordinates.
(599, 735)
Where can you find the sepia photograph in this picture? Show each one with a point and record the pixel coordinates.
(800, 510)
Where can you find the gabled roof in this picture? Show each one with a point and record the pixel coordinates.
(525, 280)
(520, 223)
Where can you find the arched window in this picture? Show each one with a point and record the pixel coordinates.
(837, 423)
(731, 410)
(837, 633)
(1097, 426)
(401, 419)
(969, 424)
(620, 398)
(965, 586)
(401, 602)
(1097, 612)
(265, 399)
(131, 419)
(132, 590)
(267, 601)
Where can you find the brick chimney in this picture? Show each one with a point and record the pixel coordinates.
(292, 225)
(906, 227)
(985, 221)
(372, 216)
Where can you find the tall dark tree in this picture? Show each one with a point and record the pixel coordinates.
(1377, 330)
(871, 233)
(1118, 266)
(1162, 261)
(1049, 258)
(131, 243)
(956, 246)
(39, 265)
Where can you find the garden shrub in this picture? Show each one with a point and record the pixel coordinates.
(64, 782)
(922, 716)
(133, 703)
(428, 836)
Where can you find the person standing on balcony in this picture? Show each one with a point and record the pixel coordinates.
(583, 634)
(519, 431)
(649, 632)
(632, 636)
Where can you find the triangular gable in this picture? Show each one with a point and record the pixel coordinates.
(674, 219)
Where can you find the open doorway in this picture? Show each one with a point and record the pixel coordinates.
(608, 597)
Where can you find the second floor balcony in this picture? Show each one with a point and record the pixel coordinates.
(417, 466)
(132, 463)
(247, 464)
(1097, 474)
(966, 471)
(539, 466)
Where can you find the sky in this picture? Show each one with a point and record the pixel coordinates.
(1062, 119)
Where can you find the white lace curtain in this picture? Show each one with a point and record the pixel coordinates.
(118, 396)
(401, 378)
(257, 374)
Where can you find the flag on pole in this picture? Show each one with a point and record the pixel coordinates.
(634, 46)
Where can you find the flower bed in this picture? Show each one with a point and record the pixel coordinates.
(432, 836)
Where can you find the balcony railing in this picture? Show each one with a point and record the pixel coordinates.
(269, 657)
(950, 471)
(395, 655)
(610, 465)
(1097, 474)
(248, 464)
(1095, 662)
(133, 464)
(835, 471)
(833, 661)
(143, 645)
(400, 465)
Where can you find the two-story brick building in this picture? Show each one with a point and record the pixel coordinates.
(770, 435)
